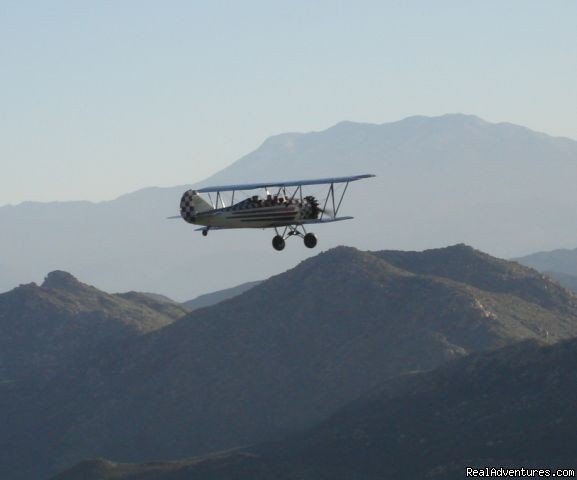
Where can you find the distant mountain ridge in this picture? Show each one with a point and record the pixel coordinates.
(375, 142)
(287, 353)
(213, 298)
(441, 180)
(563, 261)
(560, 265)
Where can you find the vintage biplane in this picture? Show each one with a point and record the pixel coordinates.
(284, 207)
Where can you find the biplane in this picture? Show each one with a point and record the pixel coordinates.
(284, 207)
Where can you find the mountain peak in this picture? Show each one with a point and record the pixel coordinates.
(60, 279)
(447, 118)
(345, 262)
(461, 117)
(348, 125)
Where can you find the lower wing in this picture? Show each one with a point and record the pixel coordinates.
(300, 222)
(323, 220)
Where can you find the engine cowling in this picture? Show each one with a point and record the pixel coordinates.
(310, 208)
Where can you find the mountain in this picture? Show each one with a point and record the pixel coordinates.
(43, 327)
(423, 425)
(560, 261)
(209, 299)
(441, 180)
(287, 353)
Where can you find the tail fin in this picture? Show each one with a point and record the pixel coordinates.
(191, 204)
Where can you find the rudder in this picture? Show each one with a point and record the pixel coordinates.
(191, 204)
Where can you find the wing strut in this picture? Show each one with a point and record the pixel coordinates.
(331, 196)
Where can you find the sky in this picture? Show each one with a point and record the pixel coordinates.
(98, 99)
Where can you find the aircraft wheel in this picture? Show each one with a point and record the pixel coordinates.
(310, 240)
(204, 233)
(278, 243)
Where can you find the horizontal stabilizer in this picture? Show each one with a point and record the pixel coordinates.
(212, 228)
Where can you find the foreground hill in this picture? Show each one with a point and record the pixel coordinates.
(291, 351)
(440, 180)
(46, 332)
(484, 272)
(510, 408)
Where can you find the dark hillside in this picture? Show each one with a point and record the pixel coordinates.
(289, 352)
(53, 331)
(511, 408)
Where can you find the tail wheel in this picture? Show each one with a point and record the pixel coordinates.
(278, 243)
(310, 240)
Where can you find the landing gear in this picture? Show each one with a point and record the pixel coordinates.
(278, 243)
(310, 240)
(205, 232)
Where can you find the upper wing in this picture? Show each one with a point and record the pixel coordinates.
(292, 183)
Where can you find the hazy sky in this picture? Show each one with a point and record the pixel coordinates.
(104, 97)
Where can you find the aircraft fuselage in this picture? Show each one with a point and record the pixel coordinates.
(253, 212)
